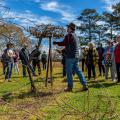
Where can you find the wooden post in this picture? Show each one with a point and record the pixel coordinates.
(48, 31)
(33, 88)
(51, 78)
(49, 64)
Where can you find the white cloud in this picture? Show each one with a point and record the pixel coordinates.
(27, 18)
(2, 2)
(77, 32)
(100, 22)
(3, 8)
(109, 4)
(68, 16)
(77, 22)
(64, 10)
(51, 6)
(46, 20)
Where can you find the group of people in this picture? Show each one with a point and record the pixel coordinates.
(107, 58)
(11, 58)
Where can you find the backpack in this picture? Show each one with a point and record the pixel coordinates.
(5, 56)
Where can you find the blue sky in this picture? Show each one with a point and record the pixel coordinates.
(58, 12)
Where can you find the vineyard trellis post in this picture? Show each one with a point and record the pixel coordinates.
(48, 31)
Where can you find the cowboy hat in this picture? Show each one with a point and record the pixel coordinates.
(71, 25)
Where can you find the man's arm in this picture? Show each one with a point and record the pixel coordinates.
(67, 39)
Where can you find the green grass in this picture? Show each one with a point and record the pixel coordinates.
(52, 103)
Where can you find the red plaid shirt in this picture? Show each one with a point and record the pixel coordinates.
(117, 53)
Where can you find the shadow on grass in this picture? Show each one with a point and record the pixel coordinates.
(39, 80)
(118, 97)
(102, 85)
(96, 81)
(37, 94)
(54, 77)
(17, 77)
(58, 73)
(9, 96)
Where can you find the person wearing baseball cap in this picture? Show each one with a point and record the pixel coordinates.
(71, 57)
(117, 58)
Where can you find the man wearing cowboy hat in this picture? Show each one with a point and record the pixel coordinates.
(72, 55)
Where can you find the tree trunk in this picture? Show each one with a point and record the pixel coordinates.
(89, 30)
(111, 32)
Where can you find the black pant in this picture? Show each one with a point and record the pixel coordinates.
(83, 64)
(91, 67)
(101, 67)
(4, 67)
(118, 71)
(44, 65)
(64, 70)
(36, 63)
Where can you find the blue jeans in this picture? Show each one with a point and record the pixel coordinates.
(24, 67)
(72, 65)
(9, 66)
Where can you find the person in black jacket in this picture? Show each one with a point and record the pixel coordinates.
(44, 60)
(100, 50)
(24, 56)
(35, 58)
(3, 59)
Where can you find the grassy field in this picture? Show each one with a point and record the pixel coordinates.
(101, 102)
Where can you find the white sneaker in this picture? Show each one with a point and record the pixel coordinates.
(114, 80)
(9, 80)
(6, 80)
